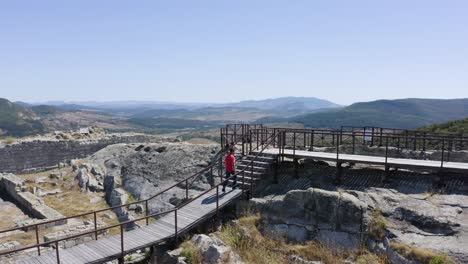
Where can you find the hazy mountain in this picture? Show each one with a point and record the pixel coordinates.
(290, 104)
(17, 120)
(285, 106)
(402, 113)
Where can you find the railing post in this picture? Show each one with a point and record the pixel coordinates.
(424, 141)
(57, 252)
(442, 158)
(354, 142)
(122, 250)
(37, 240)
(450, 146)
(146, 212)
(305, 141)
(381, 137)
(294, 145)
(386, 151)
(175, 222)
(251, 179)
(217, 202)
(406, 139)
(95, 226)
(337, 153)
(186, 189)
(312, 141)
(250, 141)
(398, 146)
(222, 138)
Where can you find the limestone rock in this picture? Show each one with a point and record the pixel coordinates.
(55, 176)
(83, 179)
(214, 251)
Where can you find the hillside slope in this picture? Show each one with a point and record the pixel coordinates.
(402, 113)
(457, 126)
(16, 120)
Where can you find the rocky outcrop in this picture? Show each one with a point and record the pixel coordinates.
(345, 219)
(302, 215)
(90, 177)
(212, 251)
(146, 169)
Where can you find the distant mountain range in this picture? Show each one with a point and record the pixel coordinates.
(403, 113)
(284, 106)
(21, 119)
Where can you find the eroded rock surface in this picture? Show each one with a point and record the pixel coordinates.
(437, 222)
(146, 169)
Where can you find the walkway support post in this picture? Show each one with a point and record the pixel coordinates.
(57, 252)
(37, 240)
(121, 259)
(176, 235)
(95, 226)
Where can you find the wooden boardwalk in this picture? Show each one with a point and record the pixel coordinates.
(393, 162)
(109, 248)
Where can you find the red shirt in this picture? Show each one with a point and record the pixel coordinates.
(230, 160)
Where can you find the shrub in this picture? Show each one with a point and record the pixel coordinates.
(441, 259)
(9, 140)
(191, 253)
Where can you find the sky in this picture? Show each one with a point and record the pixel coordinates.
(226, 51)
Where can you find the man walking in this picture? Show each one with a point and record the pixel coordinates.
(230, 161)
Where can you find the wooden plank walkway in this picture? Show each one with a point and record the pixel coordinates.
(108, 248)
(393, 162)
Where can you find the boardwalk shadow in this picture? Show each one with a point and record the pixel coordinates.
(212, 198)
(363, 179)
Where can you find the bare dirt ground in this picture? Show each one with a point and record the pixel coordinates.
(10, 214)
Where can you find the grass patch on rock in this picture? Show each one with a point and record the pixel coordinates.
(421, 255)
(377, 226)
(245, 238)
(191, 253)
(9, 140)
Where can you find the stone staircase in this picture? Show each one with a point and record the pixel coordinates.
(248, 174)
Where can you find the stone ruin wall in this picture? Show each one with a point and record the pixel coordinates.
(28, 156)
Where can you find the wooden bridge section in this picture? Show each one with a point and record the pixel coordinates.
(168, 227)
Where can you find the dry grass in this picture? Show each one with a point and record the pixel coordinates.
(9, 140)
(72, 201)
(25, 239)
(253, 247)
(421, 255)
(191, 253)
(377, 226)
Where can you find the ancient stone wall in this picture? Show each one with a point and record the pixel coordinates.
(33, 155)
(14, 187)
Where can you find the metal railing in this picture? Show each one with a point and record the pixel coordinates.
(303, 139)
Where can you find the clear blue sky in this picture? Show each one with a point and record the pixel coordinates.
(224, 50)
